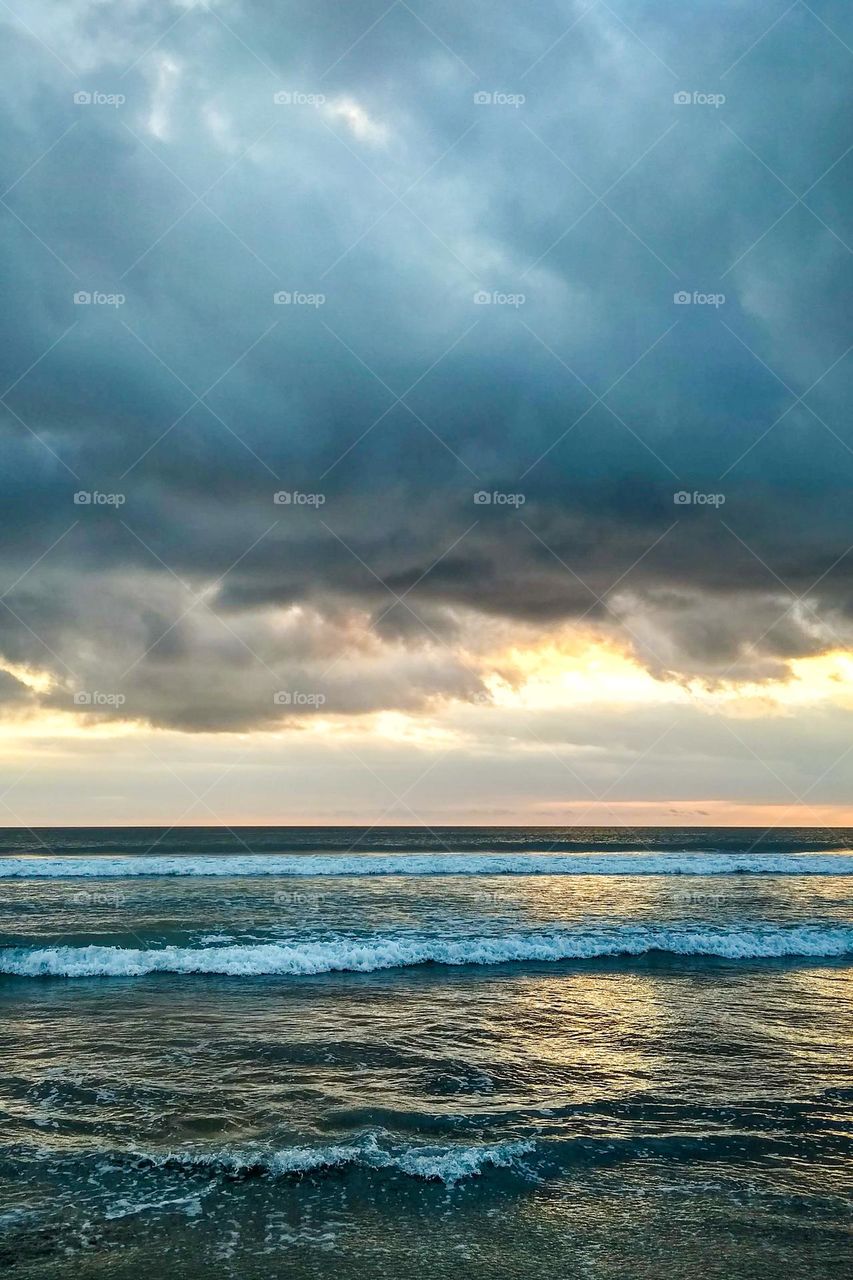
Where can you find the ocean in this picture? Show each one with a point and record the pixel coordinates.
(394, 1052)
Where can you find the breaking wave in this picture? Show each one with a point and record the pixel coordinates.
(447, 1164)
(333, 954)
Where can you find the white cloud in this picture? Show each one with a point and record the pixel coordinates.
(357, 120)
(166, 76)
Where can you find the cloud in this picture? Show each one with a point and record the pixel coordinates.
(380, 199)
(357, 121)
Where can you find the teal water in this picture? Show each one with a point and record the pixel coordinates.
(559, 1074)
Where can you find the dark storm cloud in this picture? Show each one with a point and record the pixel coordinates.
(398, 198)
(13, 693)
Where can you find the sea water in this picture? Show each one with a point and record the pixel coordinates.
(490, 1053)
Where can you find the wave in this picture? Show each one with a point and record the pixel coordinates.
(345, 954)
(447, 1164)
(538, 1157)
(448, 864)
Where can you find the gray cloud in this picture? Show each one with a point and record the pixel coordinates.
(499, 398)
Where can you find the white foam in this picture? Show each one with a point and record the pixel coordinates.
(444, 864)
(347, 954)
(447, 1164)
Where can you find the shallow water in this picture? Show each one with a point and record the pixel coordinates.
(364, 1081)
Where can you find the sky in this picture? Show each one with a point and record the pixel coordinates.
(426, 413)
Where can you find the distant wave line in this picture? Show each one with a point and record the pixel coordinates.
(29, 867)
